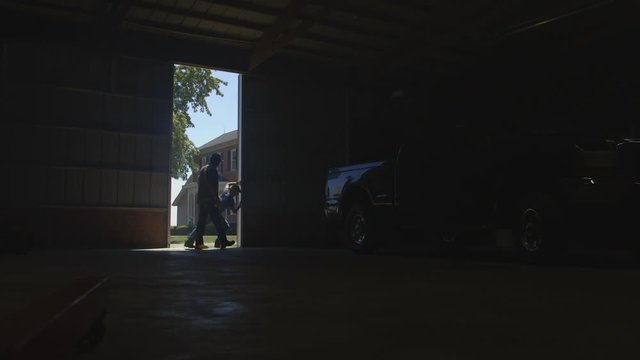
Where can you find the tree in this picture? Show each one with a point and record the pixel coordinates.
(191, 87)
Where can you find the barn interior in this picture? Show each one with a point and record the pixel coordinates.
(86, 97)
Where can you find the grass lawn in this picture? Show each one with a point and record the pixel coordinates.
(208, 239)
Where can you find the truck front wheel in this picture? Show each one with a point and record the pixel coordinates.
(359, 229)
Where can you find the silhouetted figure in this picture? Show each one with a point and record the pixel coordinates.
(228, 202)
(209, 206)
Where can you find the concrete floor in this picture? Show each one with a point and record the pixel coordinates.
(330, 303)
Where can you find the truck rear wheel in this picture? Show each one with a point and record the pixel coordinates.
(538, 233)
(359, 229)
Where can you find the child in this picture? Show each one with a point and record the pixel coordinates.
(228, 202)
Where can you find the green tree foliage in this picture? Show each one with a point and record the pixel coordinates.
(191, 87)
(183, 150)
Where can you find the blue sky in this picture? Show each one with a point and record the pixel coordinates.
(224, 118)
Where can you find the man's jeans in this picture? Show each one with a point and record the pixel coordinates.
(208, 210)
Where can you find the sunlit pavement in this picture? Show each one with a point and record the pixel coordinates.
(330, 303)
(181, 247)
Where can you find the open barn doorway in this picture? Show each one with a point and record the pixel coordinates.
(205, 124)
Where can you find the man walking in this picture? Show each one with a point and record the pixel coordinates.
(209, 206)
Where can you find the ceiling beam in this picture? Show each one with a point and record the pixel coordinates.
(363, 10)
(331, 45)
(389, 33)
(115, 11)
(542, 22)
(21, 26)
(283, 30)
(109, 13)
(247, 25)
(270, 11)
(338, 58)
(188, 31)
(242, 24)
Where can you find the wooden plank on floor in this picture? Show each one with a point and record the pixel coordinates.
(59, 325)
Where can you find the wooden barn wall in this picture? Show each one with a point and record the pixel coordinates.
(85, 143)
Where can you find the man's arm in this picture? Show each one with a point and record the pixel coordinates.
(215, 199)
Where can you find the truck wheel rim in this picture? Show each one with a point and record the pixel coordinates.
(531, 236)
(358, 229)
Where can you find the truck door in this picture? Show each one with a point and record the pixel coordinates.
(446, 182)
(415, 198)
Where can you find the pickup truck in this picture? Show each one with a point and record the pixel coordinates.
(544, 187)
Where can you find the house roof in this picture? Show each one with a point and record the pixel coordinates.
(190, 184)
(182, 192)
(224, 138)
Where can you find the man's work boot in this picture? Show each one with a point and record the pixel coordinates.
(189, 244)
(226, 244)
(201, 247)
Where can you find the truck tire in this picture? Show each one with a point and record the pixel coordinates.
(359, 229)
(538, 233)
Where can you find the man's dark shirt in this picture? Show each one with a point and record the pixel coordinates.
(207, 184)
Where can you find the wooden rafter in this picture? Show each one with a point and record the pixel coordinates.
(284, 29)
(252, 26)
(542, 22)
(265, 10)
(112, 12)
(119, 9)
(188, 31)
(242, 24)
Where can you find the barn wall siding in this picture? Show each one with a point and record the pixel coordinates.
(86, 141)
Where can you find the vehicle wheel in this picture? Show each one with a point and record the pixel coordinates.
(359, 229)
(538, 234)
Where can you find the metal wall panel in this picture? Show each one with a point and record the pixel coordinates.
(75, 147)
(109, 187)
(55, 178)
(159, 156)
(127, 151)
(92, 132)
(92, 186)
(143, 152)
(142, 186)
(74, 180)
(93, 148)
(125, 188)
(159, 189)
(110, 150)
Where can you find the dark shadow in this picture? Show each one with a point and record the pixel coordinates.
(599, 258)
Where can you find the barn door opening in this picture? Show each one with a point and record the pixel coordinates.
(205, 120)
